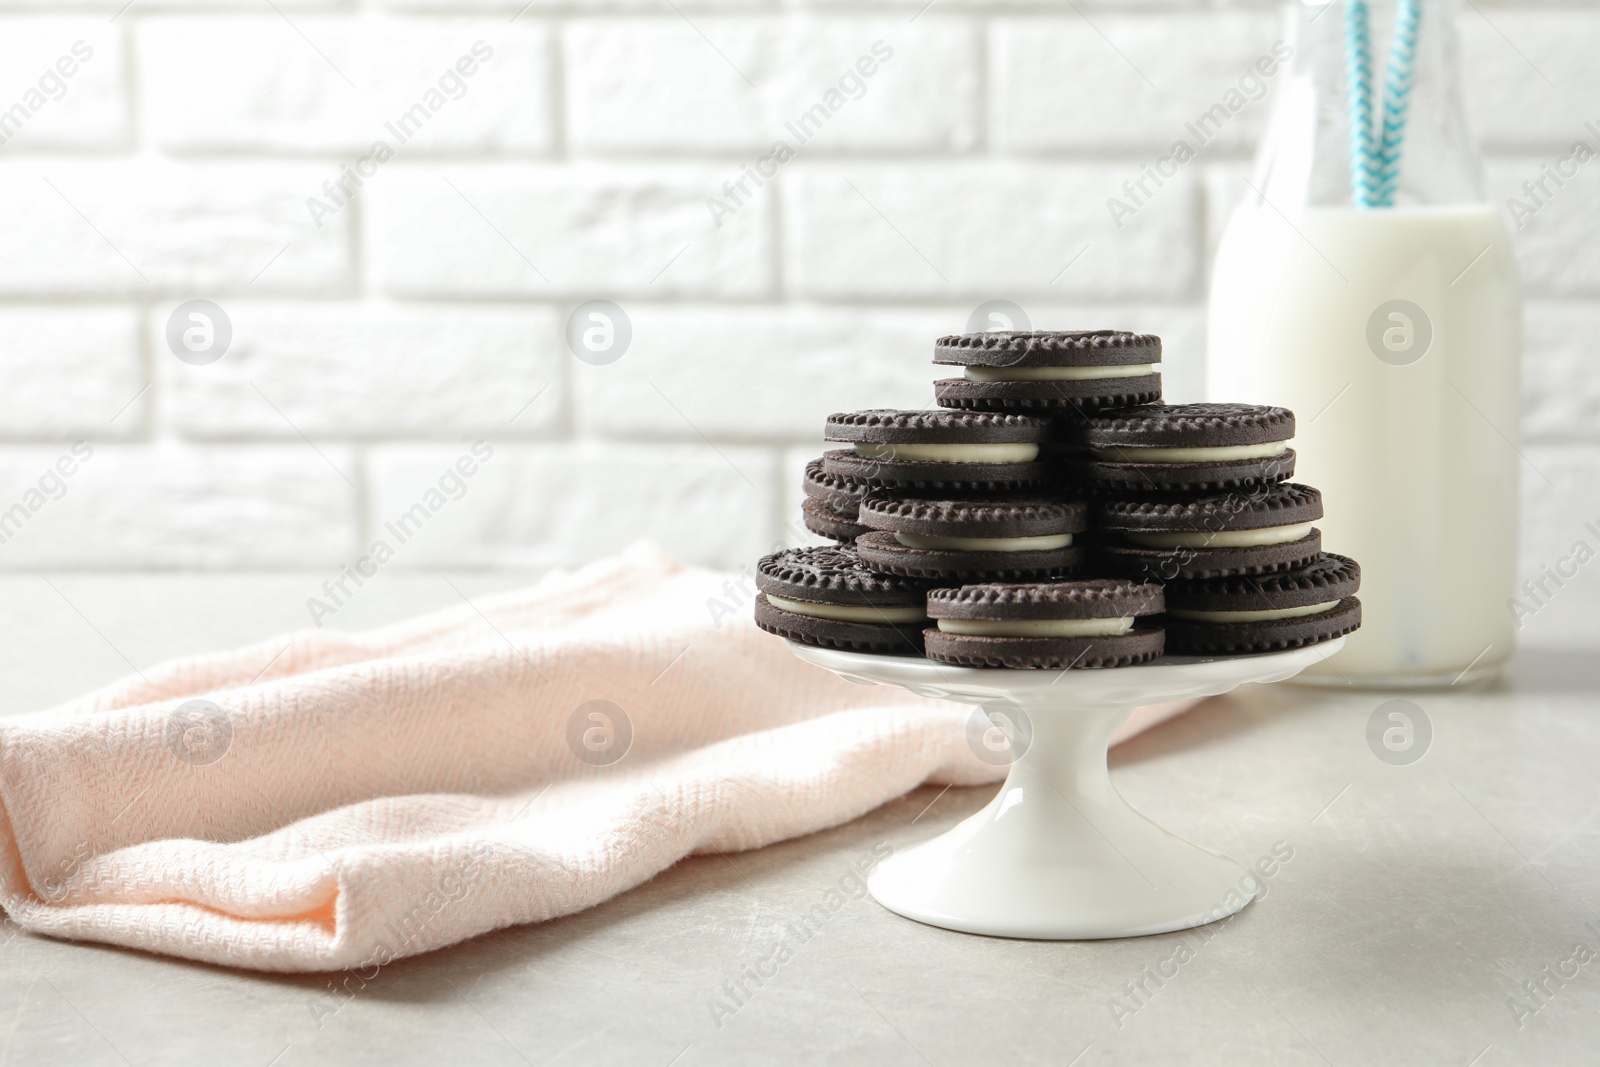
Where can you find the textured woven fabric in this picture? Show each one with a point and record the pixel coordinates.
(328, 800)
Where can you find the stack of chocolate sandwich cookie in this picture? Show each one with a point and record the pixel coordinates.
(1044, 371)
(824, 596)
(921, 499)
(1052, 513)
(1264, 612)
(1194, 496)
(939, 449)
(1168, 537)
(975, 537)
(1097, 622)
(831, 503)
(1174, 448)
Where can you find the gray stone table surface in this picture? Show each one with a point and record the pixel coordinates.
(1431, 913)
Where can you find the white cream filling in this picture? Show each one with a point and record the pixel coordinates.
(986, 544)
(1057, 374)
(1037, 627)
(847, 612)
(980, 453)
(1269, 535)
(1251, 616)
(1220, 453)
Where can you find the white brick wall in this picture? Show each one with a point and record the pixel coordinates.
(171, 505)
(562, 230)
(540, 506)
(1136, 96)
(86, 94)
(569, 158)
(923, 96)
(891, 231)
(251, 84)
(133, 227)
(372, 371)
(70, 371)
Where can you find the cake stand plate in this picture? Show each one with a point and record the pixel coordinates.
(1058, 854)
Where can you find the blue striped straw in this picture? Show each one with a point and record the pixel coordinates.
(1365, 172)
(1398, 81)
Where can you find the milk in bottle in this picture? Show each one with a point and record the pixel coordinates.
(1394, 333)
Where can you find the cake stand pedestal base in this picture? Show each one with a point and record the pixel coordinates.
(1058, 854)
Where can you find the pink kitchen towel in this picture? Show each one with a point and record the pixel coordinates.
(329, 800)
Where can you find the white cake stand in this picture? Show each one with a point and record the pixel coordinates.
(1058, 854)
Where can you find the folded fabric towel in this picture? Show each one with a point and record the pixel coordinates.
(327, 800)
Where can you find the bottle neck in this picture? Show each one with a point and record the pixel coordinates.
(1313, 153)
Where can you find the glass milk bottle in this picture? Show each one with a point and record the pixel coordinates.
(1375, 295)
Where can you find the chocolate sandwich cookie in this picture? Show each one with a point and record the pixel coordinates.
(1248, 531)
(937, 449)
(995, 538)
(825, 596)
(831, 504)
(1040, 370)
(1182, 448)
(1099, 622)
(1266, 612)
